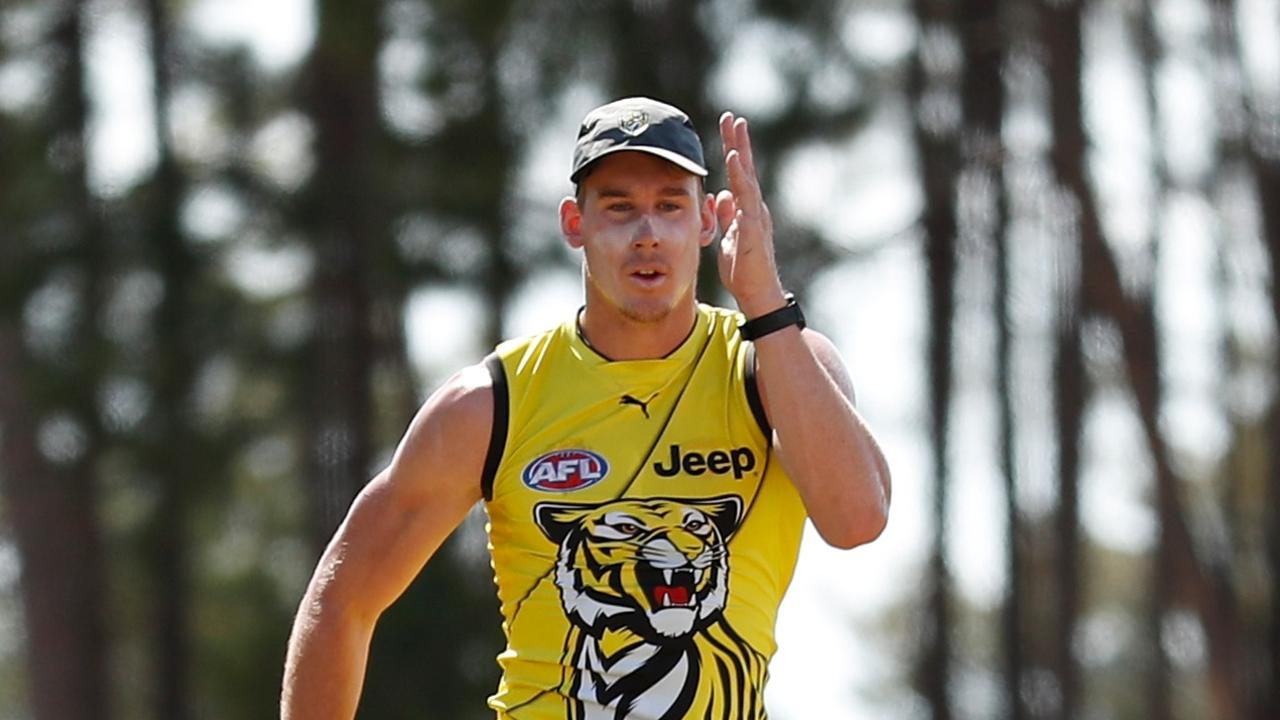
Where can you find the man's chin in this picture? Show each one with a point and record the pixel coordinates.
(646, 312)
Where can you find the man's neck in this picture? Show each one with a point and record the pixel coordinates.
(619, 337)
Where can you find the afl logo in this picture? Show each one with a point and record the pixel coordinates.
(565, 470)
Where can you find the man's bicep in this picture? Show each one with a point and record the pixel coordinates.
(384, 542)
(829, 358)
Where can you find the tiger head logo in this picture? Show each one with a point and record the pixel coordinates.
(657, 567)
(634, 122)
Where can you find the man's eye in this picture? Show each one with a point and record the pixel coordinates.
(619, 207)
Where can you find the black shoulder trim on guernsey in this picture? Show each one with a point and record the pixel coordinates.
(753, 394)
(498, 435)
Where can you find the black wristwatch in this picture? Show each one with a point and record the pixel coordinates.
(785, 316)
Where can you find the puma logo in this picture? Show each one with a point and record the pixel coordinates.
(642, 404)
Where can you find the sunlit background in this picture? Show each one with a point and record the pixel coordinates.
(240, 242)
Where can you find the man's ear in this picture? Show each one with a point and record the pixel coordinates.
(709, 226)
(571, 222)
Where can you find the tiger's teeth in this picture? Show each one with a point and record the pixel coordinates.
(697, 575)
(666, 601)
(667, 574)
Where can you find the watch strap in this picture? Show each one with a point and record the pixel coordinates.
(785, 316)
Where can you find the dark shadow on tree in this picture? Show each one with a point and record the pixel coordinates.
(932, 89)
(55, 238)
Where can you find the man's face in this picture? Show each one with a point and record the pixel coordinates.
(640, 221)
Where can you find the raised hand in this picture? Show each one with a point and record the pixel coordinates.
(746, 257)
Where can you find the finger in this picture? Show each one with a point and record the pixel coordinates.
(745, 188)
(726, 209)
(742, 143)
(726, 132)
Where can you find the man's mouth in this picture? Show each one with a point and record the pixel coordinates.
(648, 276)
(669, 588)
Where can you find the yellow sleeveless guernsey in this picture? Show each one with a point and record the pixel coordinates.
(641, 531)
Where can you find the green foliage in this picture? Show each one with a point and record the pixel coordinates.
(239, 628)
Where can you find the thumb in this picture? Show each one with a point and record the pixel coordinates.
(726, 209)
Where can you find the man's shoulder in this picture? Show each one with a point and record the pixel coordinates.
(471, 380)
(460, 407)
(467, 391)
(446, 440)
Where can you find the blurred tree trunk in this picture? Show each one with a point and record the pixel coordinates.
(932, 89)
(1159, 686)
(982, 37)
(1240, 469)
(1105, 295)
(62, 575)
(678, 73)
(341, 214)
(1070, 391)
(1258, 687)
(502, 277)
(1268, 175)
(1071, 398)
(1262, 151)
(475, 156)
(1162, 590)
(52, 501)
(172, 450)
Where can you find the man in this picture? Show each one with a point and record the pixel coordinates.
(646, 466)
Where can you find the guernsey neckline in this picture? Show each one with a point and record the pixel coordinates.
(701, 316)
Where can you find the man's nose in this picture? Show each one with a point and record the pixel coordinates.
(644, 235)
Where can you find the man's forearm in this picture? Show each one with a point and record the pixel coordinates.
(827, 449)
(324, 670)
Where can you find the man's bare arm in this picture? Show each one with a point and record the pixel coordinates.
(394, 526)
(827, 449)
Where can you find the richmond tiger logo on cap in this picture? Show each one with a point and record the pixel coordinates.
(634, 123)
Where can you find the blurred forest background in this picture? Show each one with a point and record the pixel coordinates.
(204, 358)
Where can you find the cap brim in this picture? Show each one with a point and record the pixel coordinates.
(674, 158)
